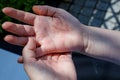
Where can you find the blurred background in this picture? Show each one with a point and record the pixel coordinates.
(100, 13)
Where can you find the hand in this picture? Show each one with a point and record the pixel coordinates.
(48, 67)
(55, 29)
(58, 31)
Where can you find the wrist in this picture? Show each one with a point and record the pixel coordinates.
(103, 44)
(82, 38)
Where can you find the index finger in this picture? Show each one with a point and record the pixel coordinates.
(23, 16)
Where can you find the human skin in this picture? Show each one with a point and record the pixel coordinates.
(56, 30)
(48, 67)
(53, 29)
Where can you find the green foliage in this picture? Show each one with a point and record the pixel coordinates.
(0, 29)
(25, 5)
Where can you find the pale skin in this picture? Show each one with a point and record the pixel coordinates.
(51, 26)
(57, 31)
(54, 66)
(48, 67)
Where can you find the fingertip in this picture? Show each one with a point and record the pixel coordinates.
(40, 10)
(36, 6)
(30, 46)
(29, 50)
(31, 43)
(8, 38)
(20, 60)
(5, 25)
(36, 9)
(6, 10)
(20, 41)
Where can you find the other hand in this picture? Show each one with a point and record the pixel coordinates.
(48, 67)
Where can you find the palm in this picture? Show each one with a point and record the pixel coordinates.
(55, 31)
(47, 67)
(56, 66)
(53, 35)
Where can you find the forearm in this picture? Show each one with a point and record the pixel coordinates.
(103, 44)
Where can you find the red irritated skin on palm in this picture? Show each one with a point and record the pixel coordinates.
(55, 30)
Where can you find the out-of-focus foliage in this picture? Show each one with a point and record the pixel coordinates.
(25, 5)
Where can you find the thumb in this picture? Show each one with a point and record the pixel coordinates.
(45, 10)
(29, 50)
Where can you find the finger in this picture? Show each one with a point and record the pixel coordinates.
(45, 10)
(65, 57)
(29, 50)
(41, 51)
(20, 60)
(18, 29)
(23, 16)
(20, 41)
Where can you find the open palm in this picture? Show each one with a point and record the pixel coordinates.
(54, 67)
(55, 30)
(48, 67)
